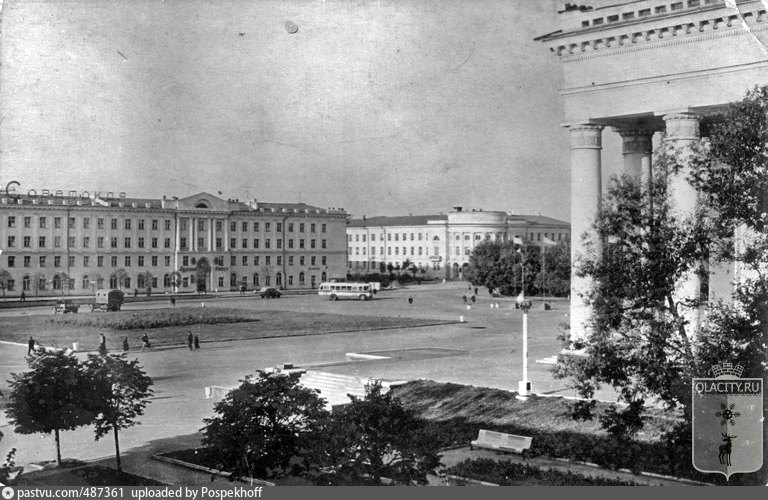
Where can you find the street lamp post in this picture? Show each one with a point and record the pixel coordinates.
(524, 386)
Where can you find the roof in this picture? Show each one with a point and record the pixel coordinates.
(538, 219)
(407, 220)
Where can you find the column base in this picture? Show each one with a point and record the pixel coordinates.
(523, 390)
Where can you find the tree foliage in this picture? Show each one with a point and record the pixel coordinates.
(267, 427)
(120, 391)
(376, 437)
(640, 341)
(50, 397)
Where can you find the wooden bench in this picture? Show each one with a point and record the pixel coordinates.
(500, 441)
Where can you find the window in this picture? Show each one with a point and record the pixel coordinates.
(86, 261)
(11, 241)
(140, 260)
(233, 226)
(27, 222)
(290, 243)
(167, 260)
(232, 260)
(99, 223)
(279, 227)
(127, 261)
(301, 227)
(154, 261)
(99, 261)
(183, 224)
(57, 261)
(324, 260)
(301, 243)
(311, 243)
(268, 260)
(290, 279)
(42, 261)
(113, 242)
(113, 261)
(256, 260)
(201, 224)
(245, 243)
(141, 224)
(141, 243)
(154, 224)
(279, 243)
(167, 243)
(41, 222)
(113, 224)
(312, 229)
(11, 261)
(153, 242)
(27, 240)
(200, 243)
(301, 260)
(290, 227)
(86, 242)
(279, 260)
(71, 242)
(267, 243)
(290, 260)
(185, 260)
(397, 237)
(255, 226)
(167, 225)
(313, 261)
(245, 260)
(71, 261)
(71, 222)
(323, 243)
(182, 243)
(232, 242)
(322, 228)
(389, 237)
(27, 261)
(11, 221)
(41, 242)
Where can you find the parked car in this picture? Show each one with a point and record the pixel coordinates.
(108, 300)
(269, 292)
(65, 306)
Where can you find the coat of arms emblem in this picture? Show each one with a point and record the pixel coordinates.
(727, 422)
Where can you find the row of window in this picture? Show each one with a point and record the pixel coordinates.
(154, 224)
(153, 260)
(375, 266)
(58, 282)
(421, 250)
(478, 237)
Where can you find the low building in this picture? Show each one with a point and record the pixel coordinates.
(440, 245)
(52, 244)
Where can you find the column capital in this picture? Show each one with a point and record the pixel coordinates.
(586, 136)
(682, 126)
(636, 141)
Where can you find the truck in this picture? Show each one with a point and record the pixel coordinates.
(108, 300)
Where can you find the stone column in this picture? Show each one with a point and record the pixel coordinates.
(682, 133)
(191, 235)
(637, 148)
(586, 193)
(211, 234)
(226, 235)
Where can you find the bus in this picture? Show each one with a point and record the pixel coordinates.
(346, 290)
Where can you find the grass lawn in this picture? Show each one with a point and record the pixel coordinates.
(85, 329)
(89, 475)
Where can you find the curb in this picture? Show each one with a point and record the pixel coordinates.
(215, 472)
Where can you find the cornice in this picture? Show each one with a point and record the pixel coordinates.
(673, 34)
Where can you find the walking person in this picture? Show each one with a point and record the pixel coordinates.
(23, 297)
(145, 342)
(475, 290)
(173, 301)
(102, 345)
(190, 339)
(125, 344)
(30, 346)
(410, 300)
(464, 297)
(197, 343)
(474, 299)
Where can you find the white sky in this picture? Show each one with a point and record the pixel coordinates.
(383, 108)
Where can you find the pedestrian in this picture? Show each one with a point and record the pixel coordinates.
(190, 340)
(197, 342)
(474, 299)
(173, 301)
(125, 344)
(23, 297)
(464, 298)
(145, 342)
(102, 345)
(135, 292)
(475, 290)
(30, 346)
(469, 287)
(410, 300)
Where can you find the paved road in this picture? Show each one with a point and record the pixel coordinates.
(483, 351)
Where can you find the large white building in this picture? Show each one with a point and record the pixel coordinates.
(441, 244)
(54, 244)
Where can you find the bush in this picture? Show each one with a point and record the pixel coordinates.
(515, 474)
(125, 320)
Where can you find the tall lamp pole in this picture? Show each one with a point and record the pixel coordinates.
(524, 386)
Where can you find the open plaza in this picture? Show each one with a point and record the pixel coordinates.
(484, 350)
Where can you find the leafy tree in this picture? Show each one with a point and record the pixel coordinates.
(147, 277)
(555, 275)
(382, 268)
(39, 280)
(50, 397)
(5, 278)
(500, 266)
(640, 340)
(376, 437)
(267, 427)
(120, 275)
(119, 392)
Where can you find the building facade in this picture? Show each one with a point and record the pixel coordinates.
(54, 244)
(441, 245)
(641, 67)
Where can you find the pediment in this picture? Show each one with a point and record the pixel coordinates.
(203, 201)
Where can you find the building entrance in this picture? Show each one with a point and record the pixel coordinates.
(202, 274)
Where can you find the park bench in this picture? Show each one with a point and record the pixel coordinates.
(500, 441)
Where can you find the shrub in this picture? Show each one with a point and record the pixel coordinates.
(506, 473)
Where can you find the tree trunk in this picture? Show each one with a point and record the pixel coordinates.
(58, 448)
(117, 451)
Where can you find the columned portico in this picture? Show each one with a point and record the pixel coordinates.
(586, 194)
